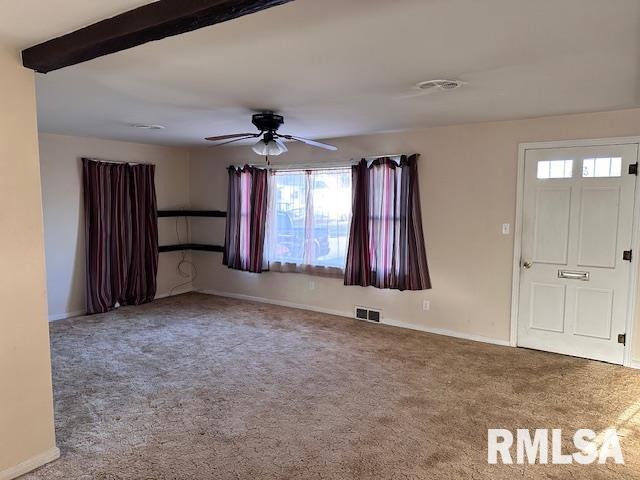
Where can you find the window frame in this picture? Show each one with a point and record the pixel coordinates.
(341, 217)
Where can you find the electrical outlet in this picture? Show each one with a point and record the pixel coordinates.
(506, 228)
(426, 305)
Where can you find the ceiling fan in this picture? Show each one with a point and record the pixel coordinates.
(270, 143)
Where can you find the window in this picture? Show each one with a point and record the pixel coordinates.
(309, 219)
(601, 167)
(555, 169)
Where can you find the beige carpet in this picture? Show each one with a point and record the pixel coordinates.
(202, 387)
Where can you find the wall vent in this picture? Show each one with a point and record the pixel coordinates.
(368, 314)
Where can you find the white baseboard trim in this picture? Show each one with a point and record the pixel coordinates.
(349, 314)
(77, 313)
(282, 303)
(179, 291)
(62, 316)
(31, 464)
(634, 364)
(448, 333)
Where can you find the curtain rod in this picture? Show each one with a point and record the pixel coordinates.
(391, 155)
(117, 161)
(325, 165)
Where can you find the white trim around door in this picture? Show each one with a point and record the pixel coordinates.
(517, 247)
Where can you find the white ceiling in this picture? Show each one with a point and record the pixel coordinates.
(25, 23)
(337, 68)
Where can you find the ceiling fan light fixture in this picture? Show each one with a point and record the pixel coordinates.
(269, 147)
(282, 145)
(260, 147)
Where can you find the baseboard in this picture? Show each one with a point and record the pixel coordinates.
(282, 303)
(349, 314)
(178, 291)
(634, 364)
(62, 316)
(31, 464)
(448, 333)
(76, 313)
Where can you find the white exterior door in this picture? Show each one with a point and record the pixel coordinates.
(577, 225)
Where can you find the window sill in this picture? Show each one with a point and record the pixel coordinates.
(321, 271)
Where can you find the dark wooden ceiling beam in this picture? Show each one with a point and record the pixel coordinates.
(154, 21)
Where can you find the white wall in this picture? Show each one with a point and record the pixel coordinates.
(468, 186)
(468, 190)
(27, 437)
(62, 194)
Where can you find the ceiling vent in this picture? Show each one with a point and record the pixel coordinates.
(439, 85)
(144, 126)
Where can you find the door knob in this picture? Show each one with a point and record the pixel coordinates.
(527, 264)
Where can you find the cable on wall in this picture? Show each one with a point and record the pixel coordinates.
(186, 268)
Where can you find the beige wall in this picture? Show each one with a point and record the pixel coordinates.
(468, 188)
(26, 409)
(63, 213)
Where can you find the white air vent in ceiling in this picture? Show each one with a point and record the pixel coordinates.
(441, 85)
(144, 126)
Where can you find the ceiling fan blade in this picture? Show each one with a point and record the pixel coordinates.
(234, 135)
(313, 143)
(232, 141)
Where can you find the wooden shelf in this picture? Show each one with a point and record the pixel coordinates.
(192, 213)
(191, 246)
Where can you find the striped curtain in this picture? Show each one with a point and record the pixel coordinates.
(121, 234)
(386, 244)
(246, 219)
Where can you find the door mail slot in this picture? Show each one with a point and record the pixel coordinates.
(584, 276)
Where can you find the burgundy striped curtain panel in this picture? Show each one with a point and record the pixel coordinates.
(386, 243)
(246, 219)
(121, 234)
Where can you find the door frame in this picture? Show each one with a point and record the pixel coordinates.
(517, 236)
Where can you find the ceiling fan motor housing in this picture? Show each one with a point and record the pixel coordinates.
(267, 122)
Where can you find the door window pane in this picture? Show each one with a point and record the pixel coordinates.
(602, 167)
(555, 169)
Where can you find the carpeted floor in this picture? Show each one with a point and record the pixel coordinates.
(203, 387)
